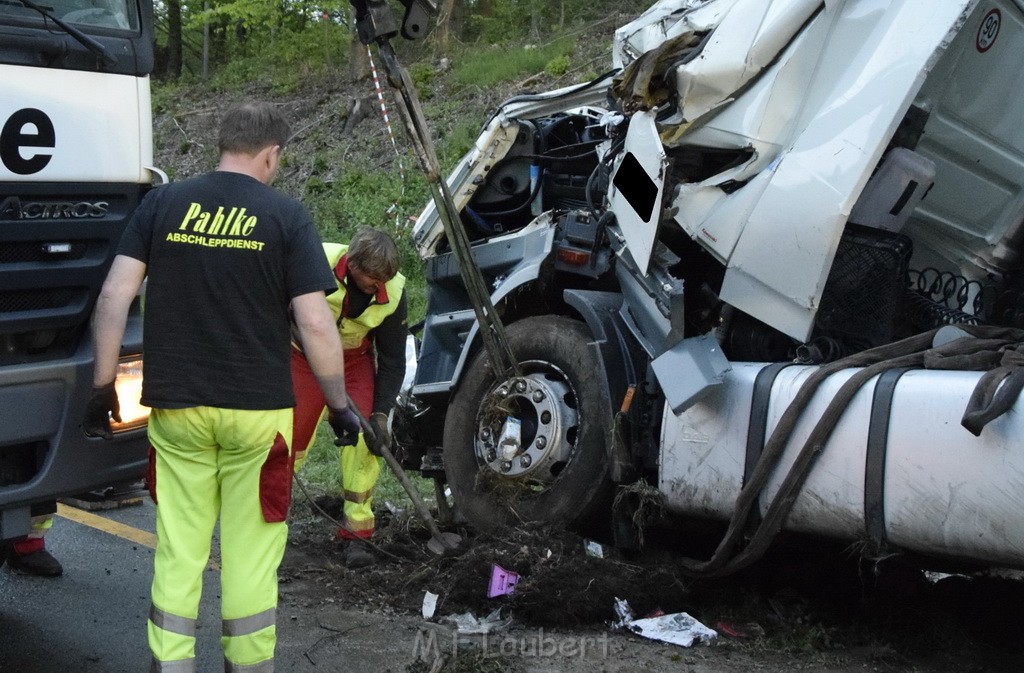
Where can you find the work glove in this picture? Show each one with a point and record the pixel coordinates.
(345, 424)
(379, 424)
(100, 408)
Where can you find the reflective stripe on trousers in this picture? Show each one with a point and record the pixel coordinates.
(173, 624)
(248, 626)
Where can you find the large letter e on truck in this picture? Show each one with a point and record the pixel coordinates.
(17, 135)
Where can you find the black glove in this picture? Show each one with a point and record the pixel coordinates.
(100, 408)
(345, 424)
(379, 423)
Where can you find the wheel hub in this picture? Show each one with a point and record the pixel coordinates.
(525, 427)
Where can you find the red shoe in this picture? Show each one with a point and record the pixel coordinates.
(29, 557)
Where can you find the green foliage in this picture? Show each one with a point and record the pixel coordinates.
(502, 21)
(487, 67)
(557, 66)
(423, 75)
(512, 21)
(287, 59)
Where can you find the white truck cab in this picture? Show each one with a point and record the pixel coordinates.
(757, 190)
(76, 155)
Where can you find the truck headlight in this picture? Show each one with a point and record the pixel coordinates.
(129, 390)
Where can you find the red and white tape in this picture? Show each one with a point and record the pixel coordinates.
(387, 123)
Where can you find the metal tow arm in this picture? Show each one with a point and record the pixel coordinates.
(376, 23)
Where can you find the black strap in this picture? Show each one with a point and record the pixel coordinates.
(757, 429)
(874, 463)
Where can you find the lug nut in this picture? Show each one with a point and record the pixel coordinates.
(506, 465)
(491, 456)
(538, 396)
(502, 392)
(521, 386)
(541, 442)
(525, 461)
(485, 434)
(545, 417)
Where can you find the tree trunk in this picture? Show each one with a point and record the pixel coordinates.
(206, 42)
(444, 21)
(174, 38)
(358, 62)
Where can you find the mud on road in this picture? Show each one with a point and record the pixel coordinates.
(807, 606)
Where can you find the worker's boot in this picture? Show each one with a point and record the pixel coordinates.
(28, 556)
(356, 555)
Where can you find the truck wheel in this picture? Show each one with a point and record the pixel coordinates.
(532, 448)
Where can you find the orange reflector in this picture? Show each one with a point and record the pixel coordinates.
(573, 257)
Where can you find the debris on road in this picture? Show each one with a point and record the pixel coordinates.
(503, 582)
(677, 629)
(469, 623)
(747, 631)
(429, 605)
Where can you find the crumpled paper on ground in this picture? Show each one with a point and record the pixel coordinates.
(467, 622)
(677, 629)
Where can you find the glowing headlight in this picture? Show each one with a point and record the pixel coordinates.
(129, 390)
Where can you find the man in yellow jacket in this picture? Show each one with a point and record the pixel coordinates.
(371, 312)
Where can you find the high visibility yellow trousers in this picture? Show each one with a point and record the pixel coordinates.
(235, 464)
(359, 472)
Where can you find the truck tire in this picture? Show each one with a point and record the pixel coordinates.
(560, 472)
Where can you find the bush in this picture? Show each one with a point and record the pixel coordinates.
(557, 66)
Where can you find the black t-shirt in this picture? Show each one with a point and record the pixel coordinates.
(225, 255)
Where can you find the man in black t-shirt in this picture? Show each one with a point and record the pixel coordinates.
(226, 255)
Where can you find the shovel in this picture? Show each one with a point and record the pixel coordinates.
(440, 542)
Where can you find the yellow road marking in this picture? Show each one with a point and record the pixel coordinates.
(107, 526)
(114, 528)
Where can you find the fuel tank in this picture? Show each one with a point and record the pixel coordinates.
(898, 467)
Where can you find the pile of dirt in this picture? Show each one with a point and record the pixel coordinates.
(802, 600)
(560, 583)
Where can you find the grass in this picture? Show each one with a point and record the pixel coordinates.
(321, 474)
(486, 67)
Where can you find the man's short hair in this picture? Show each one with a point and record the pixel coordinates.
(373, 252)
(250, 127)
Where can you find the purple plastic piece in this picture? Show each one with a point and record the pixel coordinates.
(503, 582)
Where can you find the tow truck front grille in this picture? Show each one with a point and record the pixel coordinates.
(22, 252)
(26, 301)
(53, 259)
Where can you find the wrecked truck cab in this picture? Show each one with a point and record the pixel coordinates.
(756, 190)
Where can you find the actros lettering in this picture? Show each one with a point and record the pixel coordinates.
(13, 208)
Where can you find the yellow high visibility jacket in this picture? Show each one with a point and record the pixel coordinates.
(354, 331)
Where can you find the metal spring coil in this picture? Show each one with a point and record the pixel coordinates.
(924, 313)
(948, 290)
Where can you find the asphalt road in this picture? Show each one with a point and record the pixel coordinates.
(93, 618)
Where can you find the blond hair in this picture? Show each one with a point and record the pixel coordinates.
(373, 252)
